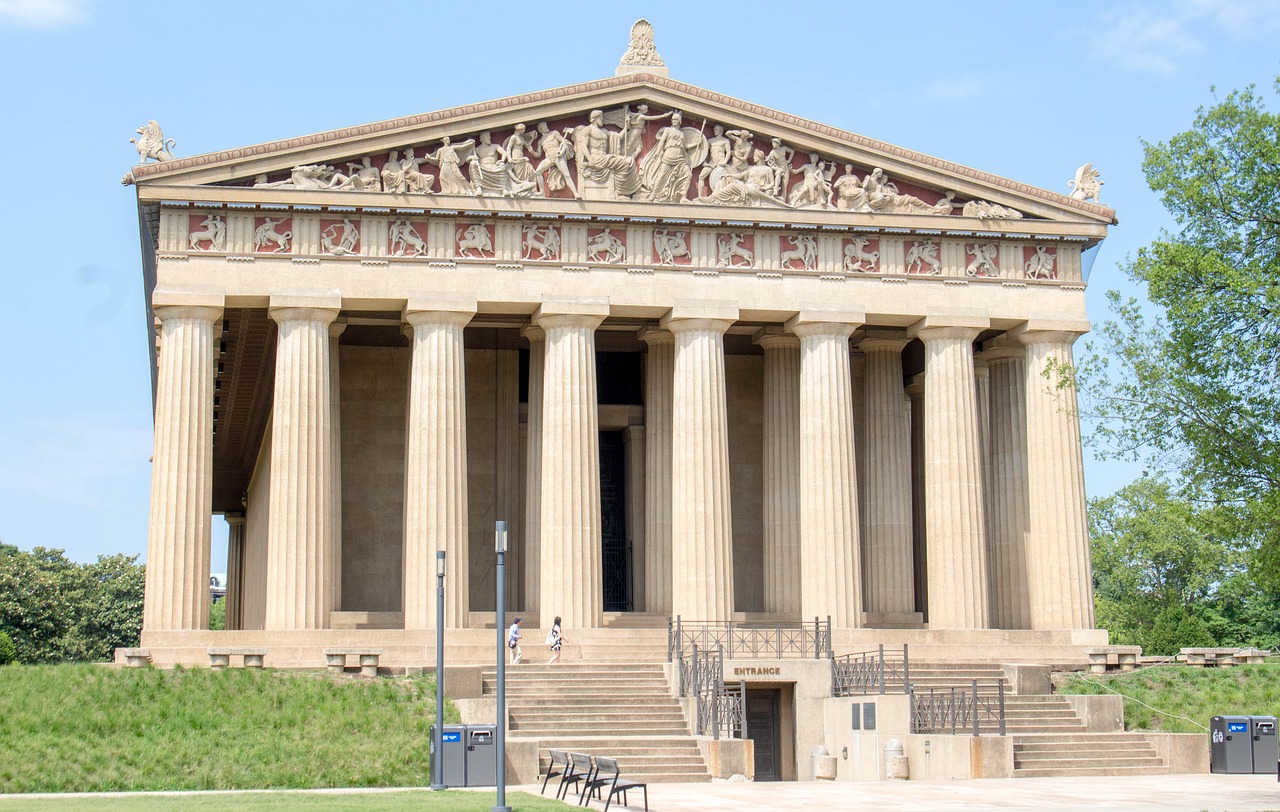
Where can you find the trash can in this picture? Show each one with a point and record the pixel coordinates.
(453, 739)
(1230, 745)
(1265, 752)
(482, 756)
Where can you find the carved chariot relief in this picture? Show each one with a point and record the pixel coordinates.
(861, 255)
(209, 234)
(984, 263)
(671, 247)
(606, 245)
(986, 210)
(1040, 262)
(799, 252)
(735, 250)
(272, 235)
(922, 258)
(475, 241)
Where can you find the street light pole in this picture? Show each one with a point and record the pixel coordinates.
(437, 767)
(500, 546)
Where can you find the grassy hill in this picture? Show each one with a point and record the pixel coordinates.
(1177, 699)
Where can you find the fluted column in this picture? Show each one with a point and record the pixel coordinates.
(571, 567)
(659, 369)
(537, 338)
(180, 524)
(1058, 565)
(335, 441)
(830, 575)
(919, 542)
(435, 481)
(954, 515)
(887, 563)
(781, 471)
(701, 518)
(299, 531)
(234, 617)
(1008, 520)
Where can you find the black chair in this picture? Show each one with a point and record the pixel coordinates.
(607, 777)
(559, 763)
(577, 774)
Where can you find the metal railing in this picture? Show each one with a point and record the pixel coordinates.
(957, 710)
(871, 672)
(749, 641)
(719, 709)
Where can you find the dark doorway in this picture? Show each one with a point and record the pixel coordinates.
(764, 727)
(616, 546)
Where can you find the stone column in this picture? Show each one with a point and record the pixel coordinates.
(887, 563)
(982, 396)
(633, 440)
(235, 571)
(435, 478)
(537, 338)
(1008, 519)
(701, 518)
(180, 525)
(1058, 566)
(781, 471)
(571, 567)
(659, 370)
(919, 542)
(955, 518)
(335, 430)
(299, 530)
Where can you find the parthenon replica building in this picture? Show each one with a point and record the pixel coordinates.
(706, 359)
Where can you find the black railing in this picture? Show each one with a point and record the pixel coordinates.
(719, 709)
(871, 672)
(749, 641)
(958, 710)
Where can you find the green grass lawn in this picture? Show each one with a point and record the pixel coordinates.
(1188, 697)
(86, 728)
(448, 801)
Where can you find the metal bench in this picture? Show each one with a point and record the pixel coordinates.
(220, 658)
(578, 774)
(559, 763)
(608, 782)
(336, 658)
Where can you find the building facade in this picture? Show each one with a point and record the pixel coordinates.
(706, 359)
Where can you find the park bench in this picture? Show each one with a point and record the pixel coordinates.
(559, 763)
(578, 774)
(608, 782)
(135, 657)
(1113, 658)
(336, 658)
(220, 658)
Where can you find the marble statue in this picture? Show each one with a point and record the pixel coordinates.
(340, 239)
(804, 249)
(731, 250)
(718, 151)
(267, 234)
(908, 204)
(152, 143)
(556, 148)
(364, 177)
(669, 245)
(984, 260)
(850, 195)
(667, 169)
(213, 231)
(605, 247)
(541, 238)
(449, 158)
(633, 127)
(474, 237)
(986, 210)
(1087, 183)
(1040, 266)
(416, 181)
(752, 186)
(922, 258)
(814, 189)
(858, 259)
(393, 177)
(406, 241)
(520, 167)
(604, 172)
(309, 177)
(779, 161)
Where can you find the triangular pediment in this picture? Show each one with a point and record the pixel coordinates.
(549, 148)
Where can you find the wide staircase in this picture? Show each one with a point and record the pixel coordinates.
(618, 709)
(1049, 737)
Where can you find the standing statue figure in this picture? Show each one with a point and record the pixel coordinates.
(514, 147)
(718, 151)
(779, 160)
(449, 158)
(1086, 185)
(603, 171)
(666, 171)
(633, 128)
(814, 189)
(152, 143)
(552, 173)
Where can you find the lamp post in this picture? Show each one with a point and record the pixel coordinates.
(437, 768)
(500, 546)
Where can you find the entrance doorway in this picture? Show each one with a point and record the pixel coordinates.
(764, 727)
(615, 542)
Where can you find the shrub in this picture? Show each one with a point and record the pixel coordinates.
(7, 651)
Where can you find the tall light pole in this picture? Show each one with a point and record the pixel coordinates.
(500, 545)
(437, 768)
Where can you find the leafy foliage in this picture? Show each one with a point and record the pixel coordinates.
(7, 652)
(56, 610)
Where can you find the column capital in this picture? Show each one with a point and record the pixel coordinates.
(882, 341)
(451, 318)
(775, 338)
(167, 312)
(980, 369)
(1030, 333)
(836, 329)
(915, 385)
(844, 317)
(597, 308)
(533, 333)
(337, 328)
(304, 300)
(689, 325)
(1002, 348)
(202, 296)
(700, 315)
(425, 301)
(654, 336)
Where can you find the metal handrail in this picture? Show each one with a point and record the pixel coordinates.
(871, 672)
(749, 641)
(718, 709)
(955, 710)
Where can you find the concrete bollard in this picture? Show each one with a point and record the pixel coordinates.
(824, 764)
(895, 763)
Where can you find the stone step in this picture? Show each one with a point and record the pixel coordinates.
(1087, 737)
(553, 700)
(1108, 760)
(1069, 772)
(1082, 746)
(542, 730)
(528, 718)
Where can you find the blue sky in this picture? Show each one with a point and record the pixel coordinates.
(1025, 90)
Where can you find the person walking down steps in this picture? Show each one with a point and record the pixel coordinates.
(555, 640)
(513, 642)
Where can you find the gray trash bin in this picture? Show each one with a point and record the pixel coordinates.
(1231, 744)
(1263, 730)
(454, 740)
(482, 760)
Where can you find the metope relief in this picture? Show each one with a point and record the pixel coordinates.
(799, 252)
(922, 258)
(861, 255)
(671, 247)
(984, 260)
(735, 250)
(1039, 262)
(272, 235)
(209, 235)
(475, 241)
(406, 239)
(603, 245)
(541, 241)
(339, 238)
